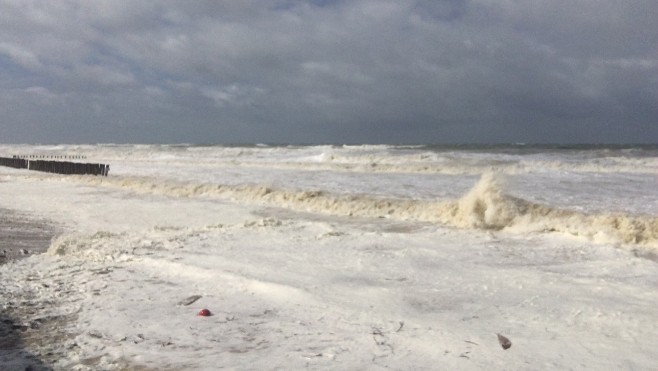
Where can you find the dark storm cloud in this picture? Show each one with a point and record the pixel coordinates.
(329, 71)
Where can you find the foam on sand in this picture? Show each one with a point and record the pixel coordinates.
(301, 294)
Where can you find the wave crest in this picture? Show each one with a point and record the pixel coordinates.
(485, 206)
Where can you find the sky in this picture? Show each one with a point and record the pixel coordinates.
(329, 71)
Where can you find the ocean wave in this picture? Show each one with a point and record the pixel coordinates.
(362, 158)
(486, 206)
(448, 166)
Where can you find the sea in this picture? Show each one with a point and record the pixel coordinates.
(332, 257)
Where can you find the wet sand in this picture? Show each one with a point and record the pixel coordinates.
(30, 338)
(22, 235)
(23, 329)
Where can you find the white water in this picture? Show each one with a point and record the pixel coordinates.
(355, 257)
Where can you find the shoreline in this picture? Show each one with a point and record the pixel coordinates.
(22, 235)
(24, 332)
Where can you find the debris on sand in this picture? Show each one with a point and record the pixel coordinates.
(189, 300)
(504, 342)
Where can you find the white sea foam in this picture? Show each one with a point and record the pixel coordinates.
(485, 206)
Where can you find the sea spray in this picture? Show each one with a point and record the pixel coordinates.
(485, 206)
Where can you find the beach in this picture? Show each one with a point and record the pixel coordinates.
(335, 257)
(328, 185)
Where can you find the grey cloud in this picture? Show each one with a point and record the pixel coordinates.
(329, 71)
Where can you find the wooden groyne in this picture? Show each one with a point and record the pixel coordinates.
(17, 163)
(57, 167)
(52, 157)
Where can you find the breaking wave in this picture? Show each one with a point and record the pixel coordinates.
(485, 206)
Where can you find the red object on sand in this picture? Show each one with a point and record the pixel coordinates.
(204, 313)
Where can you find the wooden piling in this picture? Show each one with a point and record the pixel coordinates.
(57, 167)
